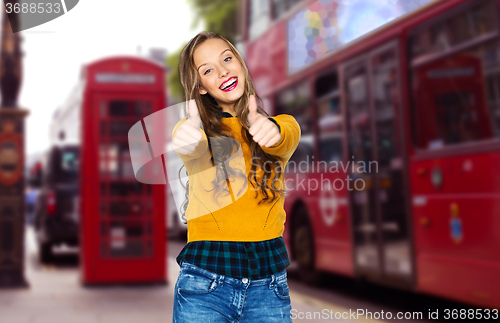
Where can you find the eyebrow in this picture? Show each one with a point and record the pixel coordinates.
(225, 50)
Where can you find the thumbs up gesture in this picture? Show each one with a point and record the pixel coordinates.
(263, 131)
(188, 135)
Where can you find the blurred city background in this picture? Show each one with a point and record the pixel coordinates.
(413, 85)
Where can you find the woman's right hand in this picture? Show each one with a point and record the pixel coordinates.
(188, 135)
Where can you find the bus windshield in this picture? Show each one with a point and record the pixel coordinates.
(68, 165)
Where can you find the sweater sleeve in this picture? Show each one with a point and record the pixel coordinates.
(290, 135)
(274, 121)
(200, 149)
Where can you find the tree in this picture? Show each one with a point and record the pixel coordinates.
(174, 82)
(220, 16)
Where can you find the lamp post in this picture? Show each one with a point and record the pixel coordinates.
(12, 209)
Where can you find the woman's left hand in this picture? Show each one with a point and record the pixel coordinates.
(264, 131)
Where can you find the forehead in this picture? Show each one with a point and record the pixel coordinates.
(209, 51)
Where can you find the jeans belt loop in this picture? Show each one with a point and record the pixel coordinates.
(221, 280)
(271, 285)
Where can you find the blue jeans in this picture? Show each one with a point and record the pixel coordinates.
(204, 296)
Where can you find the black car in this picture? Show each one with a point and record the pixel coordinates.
(56, 209)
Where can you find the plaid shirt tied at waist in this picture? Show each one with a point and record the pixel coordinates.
(238, 259)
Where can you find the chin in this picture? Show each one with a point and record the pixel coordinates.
(231, 97)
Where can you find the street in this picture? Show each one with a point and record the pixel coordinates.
(378, 120)
(56, 295)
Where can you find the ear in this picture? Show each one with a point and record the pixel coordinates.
(202, 91)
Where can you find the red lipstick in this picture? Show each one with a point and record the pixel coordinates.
(229, 81)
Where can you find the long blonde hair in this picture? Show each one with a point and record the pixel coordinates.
(210, 113)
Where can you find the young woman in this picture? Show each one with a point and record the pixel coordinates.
(233, 266)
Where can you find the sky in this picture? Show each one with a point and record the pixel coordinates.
(55, 51)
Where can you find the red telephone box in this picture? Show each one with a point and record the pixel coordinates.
(123, 238)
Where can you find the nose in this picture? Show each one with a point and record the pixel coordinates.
(224, 71)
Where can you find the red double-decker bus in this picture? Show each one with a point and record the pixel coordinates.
(396, 177)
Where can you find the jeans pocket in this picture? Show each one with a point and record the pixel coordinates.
(281, 289)
(191, 282)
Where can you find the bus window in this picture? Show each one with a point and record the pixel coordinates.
(280, 7)
(455, 97)
(386, 100)
(462, 27)
(303, 153)
(330, 119)
(64, 163)
(69, 164)
(484, 18)
(359, 132)
(326, 85)
(330, 147)
(295, 101)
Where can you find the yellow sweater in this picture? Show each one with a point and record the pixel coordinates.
(236, 216)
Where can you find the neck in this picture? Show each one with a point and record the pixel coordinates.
(228, 109)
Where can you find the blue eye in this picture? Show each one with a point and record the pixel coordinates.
(225, 60)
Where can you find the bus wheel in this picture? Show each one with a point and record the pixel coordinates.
(45, 252)
(303, 245)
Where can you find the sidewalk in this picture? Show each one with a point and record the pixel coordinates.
(56, 296)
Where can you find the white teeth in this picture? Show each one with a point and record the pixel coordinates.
(230, 83)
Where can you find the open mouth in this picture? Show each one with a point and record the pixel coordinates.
(230, 84)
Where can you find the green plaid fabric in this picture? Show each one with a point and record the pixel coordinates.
(237, 259)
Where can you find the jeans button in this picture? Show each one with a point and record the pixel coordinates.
(244, 280)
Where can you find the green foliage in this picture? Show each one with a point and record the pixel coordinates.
(220, 16)
(174, 82)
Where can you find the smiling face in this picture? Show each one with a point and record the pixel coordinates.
(220, 73)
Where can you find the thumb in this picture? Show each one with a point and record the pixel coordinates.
(194, 114)
(252, 109)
